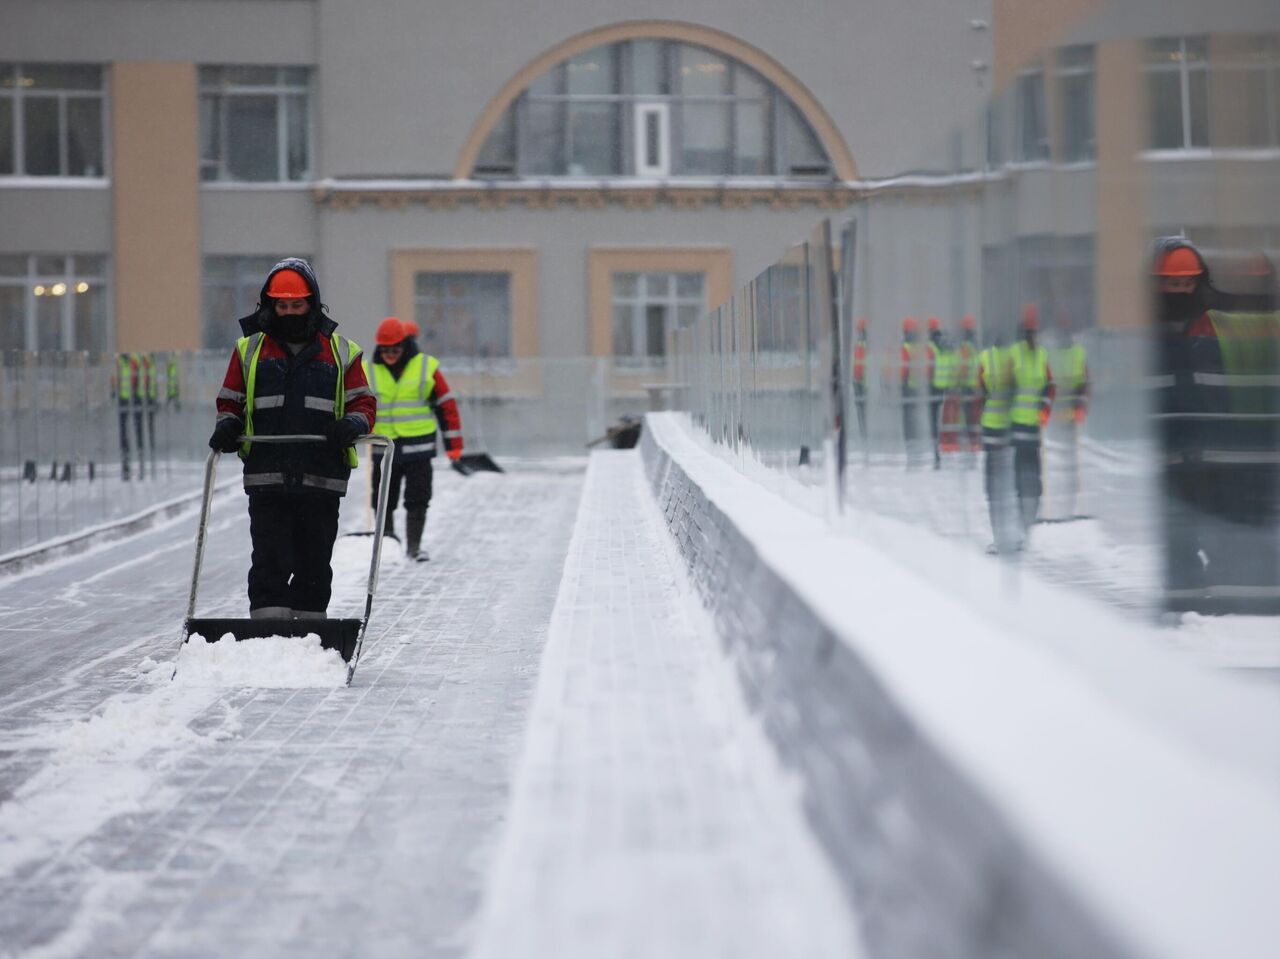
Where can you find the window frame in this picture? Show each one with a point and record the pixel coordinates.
(15, 92)
(640, 359)
(281, 90)
(70, 277)
(475, 356)
(1064, 72)
(1183, 67)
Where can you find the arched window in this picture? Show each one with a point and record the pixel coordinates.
(652, 108)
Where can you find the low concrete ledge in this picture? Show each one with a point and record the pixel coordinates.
(930, 865)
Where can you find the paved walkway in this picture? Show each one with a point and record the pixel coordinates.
(270, 822)
(650, 817)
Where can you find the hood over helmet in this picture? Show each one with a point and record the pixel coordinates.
(264, 318)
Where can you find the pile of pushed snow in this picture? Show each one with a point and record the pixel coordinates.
(279, 662)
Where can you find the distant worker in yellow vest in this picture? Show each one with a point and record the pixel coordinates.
(414, 402)
(912, 377)
(128, 387)
(939, 369)
(967, 359)
(1033, 392)
(995, 386)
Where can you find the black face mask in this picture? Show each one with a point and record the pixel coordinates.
(1179, 307)
(293, 329)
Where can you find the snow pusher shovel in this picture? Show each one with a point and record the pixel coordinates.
(344, 635)
(469, 463)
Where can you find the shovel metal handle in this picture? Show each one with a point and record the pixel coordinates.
(384, 488)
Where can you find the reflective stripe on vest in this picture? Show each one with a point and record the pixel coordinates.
(995, 374)
(250, 348)
(403, 407)
(1030, 377)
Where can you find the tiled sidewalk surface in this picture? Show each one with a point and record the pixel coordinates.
(312, 822)
(650, 817)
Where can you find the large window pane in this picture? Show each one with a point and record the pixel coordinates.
(498, 155)
(702, 73)
(707, 149)
(231, 288)
(592, 72)
(298, 149)
(210, 138)
(751, 144)
(1033, 140)
(249, 76)
(542, 148)
(253, 140)
(464, 314)
(1077, 117)
(13, 311)
(623, 324)
(40, 129)
(804, 153)
(84, 136)
(61, 76)
(648, 68)
(6, 136)
(49, 318)
(90, 318)
(1164, 92)
(1198, 91)
(593, 139)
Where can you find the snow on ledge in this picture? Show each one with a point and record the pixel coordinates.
(1167, 825)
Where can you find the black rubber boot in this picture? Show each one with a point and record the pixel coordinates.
(414, 524)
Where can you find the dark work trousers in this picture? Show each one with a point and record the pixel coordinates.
(416, 475)
(126, 411)
(1026, 473)
(1001, 502)
(936, 397)
(909, 424)
(293, 536)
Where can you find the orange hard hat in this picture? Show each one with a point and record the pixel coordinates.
(910, 325)
(1030, 316)
(1180, 261)
(410, 328)
(968, 323)
(288, 284)
(390, 332)
(934, 323)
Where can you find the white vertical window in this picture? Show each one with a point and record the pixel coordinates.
(653, 139)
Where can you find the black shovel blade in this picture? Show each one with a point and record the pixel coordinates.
(469, 463)
(339, 634)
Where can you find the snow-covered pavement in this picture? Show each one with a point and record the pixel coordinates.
(650, 816)
(143, 817)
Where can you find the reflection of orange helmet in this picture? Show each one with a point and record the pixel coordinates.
(968, 323)
(410, 328)
(1180, 261)
(390, 332)
(862, 324)
(1030, 316)
(934, 324)
(910, 325)
(288, 284)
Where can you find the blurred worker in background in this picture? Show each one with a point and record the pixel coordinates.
(172, 387)
(860, 376)
(911, 374)
(413, 400)
(1072, 364)
(292, 374)
(939, 370)
(995, 386)
(129, 388)
(1217, 403)
(1033, 392)
(966, 378)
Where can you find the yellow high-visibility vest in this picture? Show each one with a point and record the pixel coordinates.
(403, 408)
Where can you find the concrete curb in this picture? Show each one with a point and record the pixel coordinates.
(74, 543)
(927, 861)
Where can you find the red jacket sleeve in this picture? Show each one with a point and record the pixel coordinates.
(360, 399)
(231, 396)
(446, 409)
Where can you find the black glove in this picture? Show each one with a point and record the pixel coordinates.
(342, 433)
(226, 436)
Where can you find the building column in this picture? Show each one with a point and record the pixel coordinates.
(155, 184)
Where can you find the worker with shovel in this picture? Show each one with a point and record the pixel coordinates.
(413, 399)
(291, 374)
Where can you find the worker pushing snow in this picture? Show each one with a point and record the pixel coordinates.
(292, 374)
